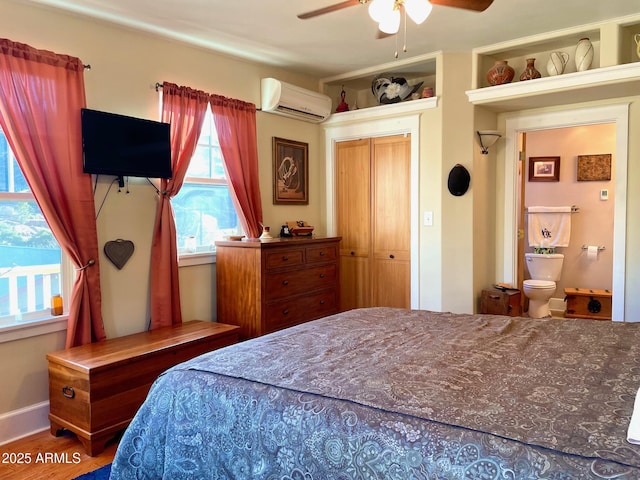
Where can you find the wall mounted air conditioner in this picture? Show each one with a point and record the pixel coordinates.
(291, 101)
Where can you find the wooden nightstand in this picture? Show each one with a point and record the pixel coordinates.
(96, 389)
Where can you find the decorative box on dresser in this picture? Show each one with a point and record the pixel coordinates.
(268, 285)
(96, 389)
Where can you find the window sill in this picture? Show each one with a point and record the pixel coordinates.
(33, 328)
(192, 259)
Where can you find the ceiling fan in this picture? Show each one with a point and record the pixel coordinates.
(387, 12)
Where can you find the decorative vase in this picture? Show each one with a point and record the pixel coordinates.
(583, 55)
(636, 37)
(500, 73)
(530, 71)
(557, 63)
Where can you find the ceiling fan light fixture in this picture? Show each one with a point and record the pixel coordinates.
(418, 10)
(379, 9)
(391, 24)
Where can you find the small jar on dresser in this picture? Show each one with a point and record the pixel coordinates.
(267, 285)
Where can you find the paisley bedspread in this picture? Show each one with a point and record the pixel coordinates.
(396, 394)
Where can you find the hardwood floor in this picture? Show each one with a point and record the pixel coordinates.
(51, 458)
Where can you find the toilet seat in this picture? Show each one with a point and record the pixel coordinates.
(539, 284)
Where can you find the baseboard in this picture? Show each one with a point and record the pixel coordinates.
(23, 422)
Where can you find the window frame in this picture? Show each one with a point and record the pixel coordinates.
(41, 321)
(202, 255)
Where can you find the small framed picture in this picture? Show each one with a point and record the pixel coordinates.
(290, 172)
(594, 167)
(544, 169)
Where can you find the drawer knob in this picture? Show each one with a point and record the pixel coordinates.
(68, 392)
(494, 297)
(392, 256)
(353, 253)
(322, 254)
(322, 275)
(322, 302)
(285, 312)
(285, 282)
(285, 259)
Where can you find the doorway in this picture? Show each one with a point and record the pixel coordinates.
(515, 127)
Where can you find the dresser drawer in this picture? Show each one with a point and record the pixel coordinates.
(284, 258)
(293, 282)
(326, 253)
(295, 310)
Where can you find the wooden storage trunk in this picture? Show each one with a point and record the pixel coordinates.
(95, 389)
(588, 303)
(499, 302)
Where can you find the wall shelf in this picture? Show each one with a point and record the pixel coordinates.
(591, 85)
(382, 111)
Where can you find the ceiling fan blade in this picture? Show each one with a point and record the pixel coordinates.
(477, 5)
(330, 8)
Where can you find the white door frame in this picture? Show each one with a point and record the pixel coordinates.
(618, 114)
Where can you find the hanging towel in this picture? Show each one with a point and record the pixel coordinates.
(549, 226)
(633, 433)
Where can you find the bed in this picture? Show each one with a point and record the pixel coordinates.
(385, 393)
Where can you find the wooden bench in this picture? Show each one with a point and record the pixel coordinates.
(96, 389)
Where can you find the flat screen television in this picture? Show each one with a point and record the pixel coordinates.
(125, 146)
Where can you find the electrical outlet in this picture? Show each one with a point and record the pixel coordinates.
(604, 194)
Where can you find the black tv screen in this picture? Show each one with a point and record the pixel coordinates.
(125, 146)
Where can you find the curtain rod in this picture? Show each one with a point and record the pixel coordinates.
(158, 86)
(87, 66)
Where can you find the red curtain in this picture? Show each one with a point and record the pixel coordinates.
(185, 109)
(235, 122)
(41, 94)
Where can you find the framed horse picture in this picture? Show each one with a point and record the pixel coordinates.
(290, 172)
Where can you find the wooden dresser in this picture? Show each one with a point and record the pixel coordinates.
(268, 285)
(96, 389)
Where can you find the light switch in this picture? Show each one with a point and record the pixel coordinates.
(428, 219)
(604, 194)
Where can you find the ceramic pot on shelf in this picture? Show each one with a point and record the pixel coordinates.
(557, 63)
(500, 73)
(530, 71)
(583, 55)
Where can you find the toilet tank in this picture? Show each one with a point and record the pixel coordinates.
(544, 266)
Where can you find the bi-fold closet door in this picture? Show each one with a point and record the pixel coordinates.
(373, 212)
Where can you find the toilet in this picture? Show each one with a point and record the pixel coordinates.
(544, 269)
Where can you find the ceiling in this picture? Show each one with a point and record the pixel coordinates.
(344, 41)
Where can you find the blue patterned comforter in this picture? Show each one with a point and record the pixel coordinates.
(395, 394)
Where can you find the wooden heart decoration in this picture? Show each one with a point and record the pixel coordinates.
(119, 251)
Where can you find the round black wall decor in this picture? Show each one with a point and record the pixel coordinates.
(459, 179)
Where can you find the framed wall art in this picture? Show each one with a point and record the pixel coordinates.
(544, 169)
(594, 167)
(290, 172)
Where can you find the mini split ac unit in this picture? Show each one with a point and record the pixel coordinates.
(291, 101)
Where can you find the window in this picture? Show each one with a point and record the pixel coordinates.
(203, 208)
(30, 256)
